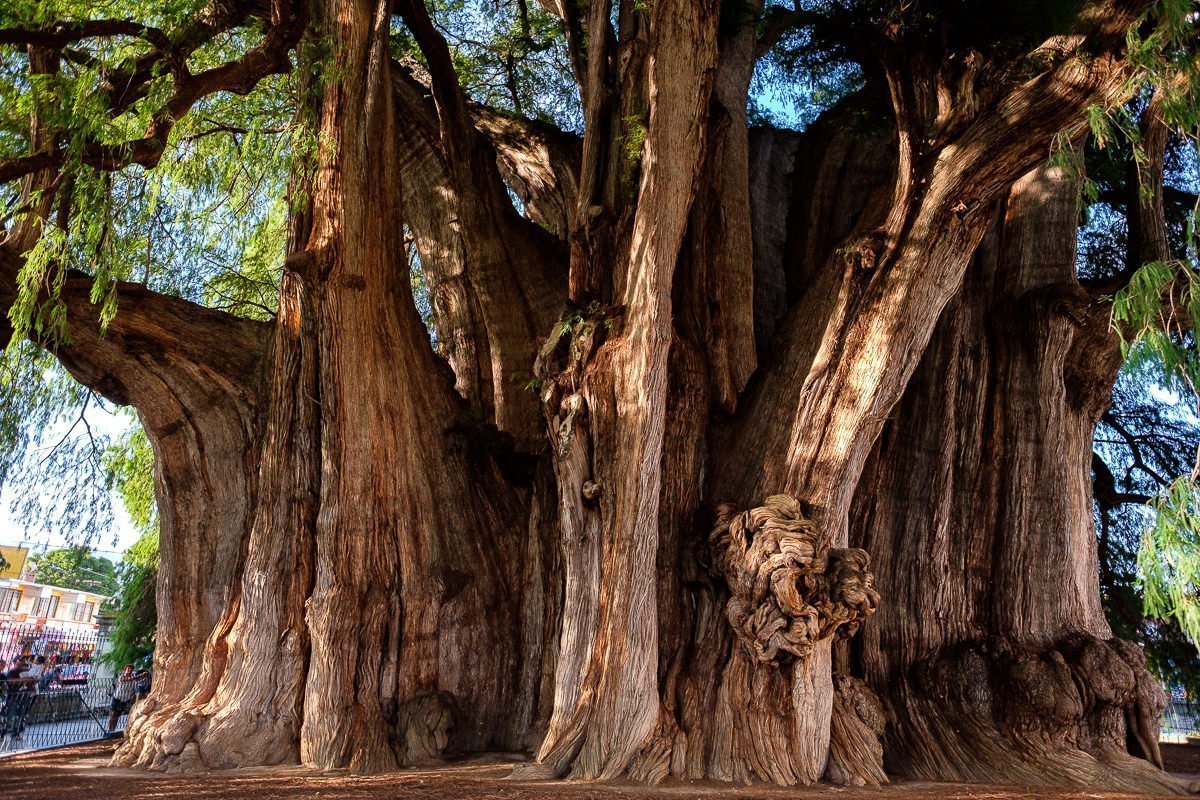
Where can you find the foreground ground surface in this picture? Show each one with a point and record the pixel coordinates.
(82, 771)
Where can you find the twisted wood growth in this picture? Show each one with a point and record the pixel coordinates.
(789, 589)
(376, 555)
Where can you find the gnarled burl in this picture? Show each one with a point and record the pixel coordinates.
(789, 588)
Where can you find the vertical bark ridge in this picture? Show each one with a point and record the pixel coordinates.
(428, 563)
(514, 266)
(617, 707)
(990, 534)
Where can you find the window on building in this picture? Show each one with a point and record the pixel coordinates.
(9, 599)
(46, 606)
(82, 612)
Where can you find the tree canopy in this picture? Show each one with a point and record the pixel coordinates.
(75, 568)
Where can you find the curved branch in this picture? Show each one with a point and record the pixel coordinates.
(284, 26)
(151, 331)
(540, 163)
(62, 34)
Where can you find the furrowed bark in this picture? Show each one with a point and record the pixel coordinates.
(810, 190)
(377, 622)
(193, 374)
(246, 707)
(421, 564)
(540, 163)
(612, 722)
(845, 371)
(852, 342)
(399, 577)
(984, 512)
(460, 266)
(721, 238)
(515, 268)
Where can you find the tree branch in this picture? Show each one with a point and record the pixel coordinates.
(150, 331)
(1134, 445)
(61, 34)
(285, 24)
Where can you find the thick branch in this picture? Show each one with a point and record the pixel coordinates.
(61, 34)
(538, 161)
(151, 331)
(541, 164)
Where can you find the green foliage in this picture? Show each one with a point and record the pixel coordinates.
(1170, 556)
(1143, 441)
(75, 568)
(512, 57)
(1153, 316)
(49, 454)
(132, 636)
(129, 471)
(635, 138)
(128, 467)
(208, 224)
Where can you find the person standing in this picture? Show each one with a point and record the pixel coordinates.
(21, 690)
(122, 696)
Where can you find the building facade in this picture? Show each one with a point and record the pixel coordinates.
(40, 605)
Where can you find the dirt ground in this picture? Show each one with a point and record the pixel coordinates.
(82, 772)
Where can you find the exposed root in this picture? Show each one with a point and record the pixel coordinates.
(856, 735)
(160, 739)
(1081, 712)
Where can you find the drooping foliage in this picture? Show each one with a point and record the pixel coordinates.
(136, 617)
(129, 468)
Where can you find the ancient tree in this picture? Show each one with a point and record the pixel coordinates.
(722, 451)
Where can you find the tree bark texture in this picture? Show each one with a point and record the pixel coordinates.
(992, 647)
(652, 565)
(375, 622)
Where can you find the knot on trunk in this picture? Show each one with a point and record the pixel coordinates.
(424, 724)
(789, 588)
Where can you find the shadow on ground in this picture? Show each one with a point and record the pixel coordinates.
(82, 772)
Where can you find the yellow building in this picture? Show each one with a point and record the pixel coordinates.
(12, 561)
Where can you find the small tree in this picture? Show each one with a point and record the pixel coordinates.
(129, 470)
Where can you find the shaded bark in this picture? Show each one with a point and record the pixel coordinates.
(993, 650)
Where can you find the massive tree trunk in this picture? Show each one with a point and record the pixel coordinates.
(370, 559)
(992, 647)
(376, 617)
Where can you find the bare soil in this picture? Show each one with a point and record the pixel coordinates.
(83, 772)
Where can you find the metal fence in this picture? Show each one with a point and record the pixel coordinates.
(73, 699)
(1181, 721)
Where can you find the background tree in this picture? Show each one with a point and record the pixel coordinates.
(628, 513)
(75, 568)
(130, 470)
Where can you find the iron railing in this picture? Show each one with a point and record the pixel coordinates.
(73, 699)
